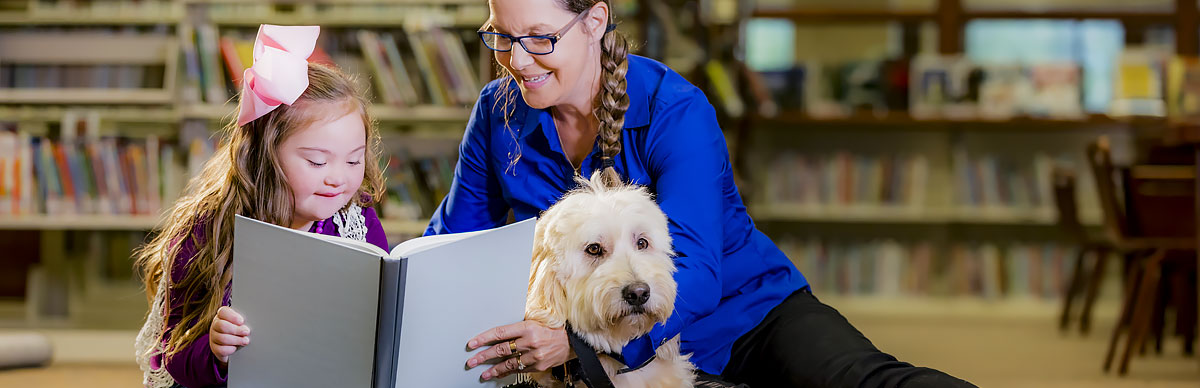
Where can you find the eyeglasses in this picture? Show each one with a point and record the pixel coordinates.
(533, 44)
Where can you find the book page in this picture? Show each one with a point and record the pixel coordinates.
(428, 242)
(361, 246)
(453, 292)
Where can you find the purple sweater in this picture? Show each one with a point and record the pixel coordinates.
(195, 366)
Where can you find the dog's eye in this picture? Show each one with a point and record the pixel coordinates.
(594, 249)
(643, 244)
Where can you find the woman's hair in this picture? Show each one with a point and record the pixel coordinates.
(611, 102)
(245, 177)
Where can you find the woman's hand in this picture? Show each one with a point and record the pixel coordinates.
(519, 347)
(227, 333)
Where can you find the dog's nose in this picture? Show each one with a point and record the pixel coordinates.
(636, 294)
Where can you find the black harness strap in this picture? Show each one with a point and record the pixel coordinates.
(588, 366)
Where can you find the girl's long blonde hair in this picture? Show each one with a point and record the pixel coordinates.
(244, 177)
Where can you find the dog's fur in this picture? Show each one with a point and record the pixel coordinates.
(567, 284)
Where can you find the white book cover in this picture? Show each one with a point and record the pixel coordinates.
(328, 311)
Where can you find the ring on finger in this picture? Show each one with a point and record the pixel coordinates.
(512, 347)
(520, 365)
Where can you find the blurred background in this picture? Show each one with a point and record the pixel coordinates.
(1004, 190)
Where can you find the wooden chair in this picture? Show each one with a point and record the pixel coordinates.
(1068, 221)
(1147, 253)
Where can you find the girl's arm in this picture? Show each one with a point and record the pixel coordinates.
(194, 365)
(474, 201)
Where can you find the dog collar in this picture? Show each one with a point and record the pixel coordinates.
(586, 366)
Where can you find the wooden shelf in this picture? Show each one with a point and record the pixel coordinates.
(408, 227)
(86, 18)
(421, 114)
(208, 111)
(926, 307)
(850, 15)
(78, 222)
(383, 113)
(880, 214)
(336, 2)
(143, 222)
(334, 21)
(116, 114)
(1138, 17)
(1019, 123)
(85, 96)
(843, 15)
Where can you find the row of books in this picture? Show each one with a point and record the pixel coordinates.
(989, 180)
(78, 172)
(265, 10)
(99, 75)
(1146, 82)
(96, 8)
(928, 87)
(980, 181)
(889, 268)
(845, 178)
(81, 76)
(438, 72)
(72, 175)
(418, 65)
(415, 184)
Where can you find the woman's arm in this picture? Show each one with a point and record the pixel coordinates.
(474, 201)
(688, 160)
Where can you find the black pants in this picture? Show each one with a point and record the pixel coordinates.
(805, 343)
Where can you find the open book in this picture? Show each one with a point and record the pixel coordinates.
(327, 311)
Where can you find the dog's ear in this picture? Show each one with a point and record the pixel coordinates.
(547, 298)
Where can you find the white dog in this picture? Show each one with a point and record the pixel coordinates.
(602, 261)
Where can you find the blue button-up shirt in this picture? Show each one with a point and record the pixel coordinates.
(729, 273)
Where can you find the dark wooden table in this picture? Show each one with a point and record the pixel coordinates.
(1189, 134)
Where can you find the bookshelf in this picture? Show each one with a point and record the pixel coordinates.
(903, 121)
(147, 223)
(80, 222)
(103, 89)
(172, 19)
(869, 130)
(949, 216)
(386, 114)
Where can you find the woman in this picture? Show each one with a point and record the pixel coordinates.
(574, 102)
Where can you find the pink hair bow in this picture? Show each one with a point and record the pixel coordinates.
(280, 71)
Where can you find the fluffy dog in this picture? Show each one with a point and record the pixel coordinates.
(602, 261)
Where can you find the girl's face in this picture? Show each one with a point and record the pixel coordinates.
(568, 73)
(324, 166)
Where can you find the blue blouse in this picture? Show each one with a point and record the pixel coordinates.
(729, 273)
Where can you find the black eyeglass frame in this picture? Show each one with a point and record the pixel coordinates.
(553, 38)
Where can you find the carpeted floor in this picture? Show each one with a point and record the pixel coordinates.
(1010, 351)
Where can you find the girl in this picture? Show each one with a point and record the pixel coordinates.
(302, 154)
(574, 102)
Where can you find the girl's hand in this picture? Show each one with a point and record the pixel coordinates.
(520, 347)
(227, 333)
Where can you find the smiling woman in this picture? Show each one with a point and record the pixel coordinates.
(574, 102)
